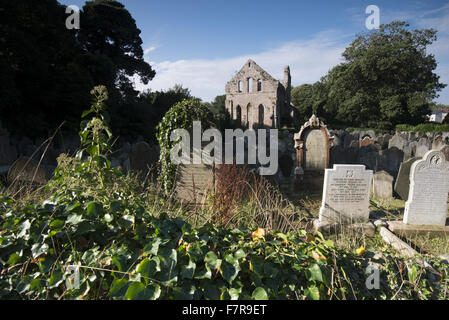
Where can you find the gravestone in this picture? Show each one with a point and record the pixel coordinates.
(286, 165)
(438, 143)
(7, 153)
(366, 141)
(368, 133)
(411, 135)
(314, 147)
(429, 187)
(402, 184)
(354, 144)
(194, 182)
(25, 146)
(26, 170)
(397, 141)
(348, 139)
(410, 150)
(338, 155)
(423, 141)
(382, 185)
(445, 136)
(394, 158)
(368, 156)
(312, 144)
(346, 194)
(337, 140)
(421, 150)
(143, 157)
(384, 140)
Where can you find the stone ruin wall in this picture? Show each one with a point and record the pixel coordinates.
(271, 97)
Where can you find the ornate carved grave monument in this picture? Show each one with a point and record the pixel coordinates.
(312, 144)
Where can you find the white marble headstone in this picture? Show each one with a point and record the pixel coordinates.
(346, 194)
(429, 187)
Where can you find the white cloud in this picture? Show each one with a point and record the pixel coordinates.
(149, 49)
(309, 60)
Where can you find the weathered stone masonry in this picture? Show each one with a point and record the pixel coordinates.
(256, 99)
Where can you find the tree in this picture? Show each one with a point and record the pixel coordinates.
(142, 117)
(110, 33)
(303, 100)
(221, 116)
(388, 78)
(47, 70)
(310, 99)
(180, 116)
(41, 78)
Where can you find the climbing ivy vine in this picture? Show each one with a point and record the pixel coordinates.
(180, 116)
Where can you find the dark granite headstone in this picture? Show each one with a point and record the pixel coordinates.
(402, 184)
(286, 165)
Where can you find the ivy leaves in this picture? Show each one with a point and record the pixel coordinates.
(172, 260)
(180, 116)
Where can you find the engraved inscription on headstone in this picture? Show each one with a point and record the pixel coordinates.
(346, 194)
(429, 187)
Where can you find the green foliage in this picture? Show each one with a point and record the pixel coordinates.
(310, 99)
(425, 127)
(388, 78)
(94, 220)
(163, 258)
(110, 31)
(48, 70)
(40, 72)
(222, 118)
(143, 117)
(438, 106)
(180, 116)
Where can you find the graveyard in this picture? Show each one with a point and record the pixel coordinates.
(224, 223)
(336, 190)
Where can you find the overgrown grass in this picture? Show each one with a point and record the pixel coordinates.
(428, 244)
(243, 199)
(387, 209)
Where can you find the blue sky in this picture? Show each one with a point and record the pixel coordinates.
(202, 43)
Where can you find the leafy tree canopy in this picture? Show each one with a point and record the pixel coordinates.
(387, 78)
(48, 70)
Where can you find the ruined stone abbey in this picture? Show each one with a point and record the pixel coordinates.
(257, 100)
